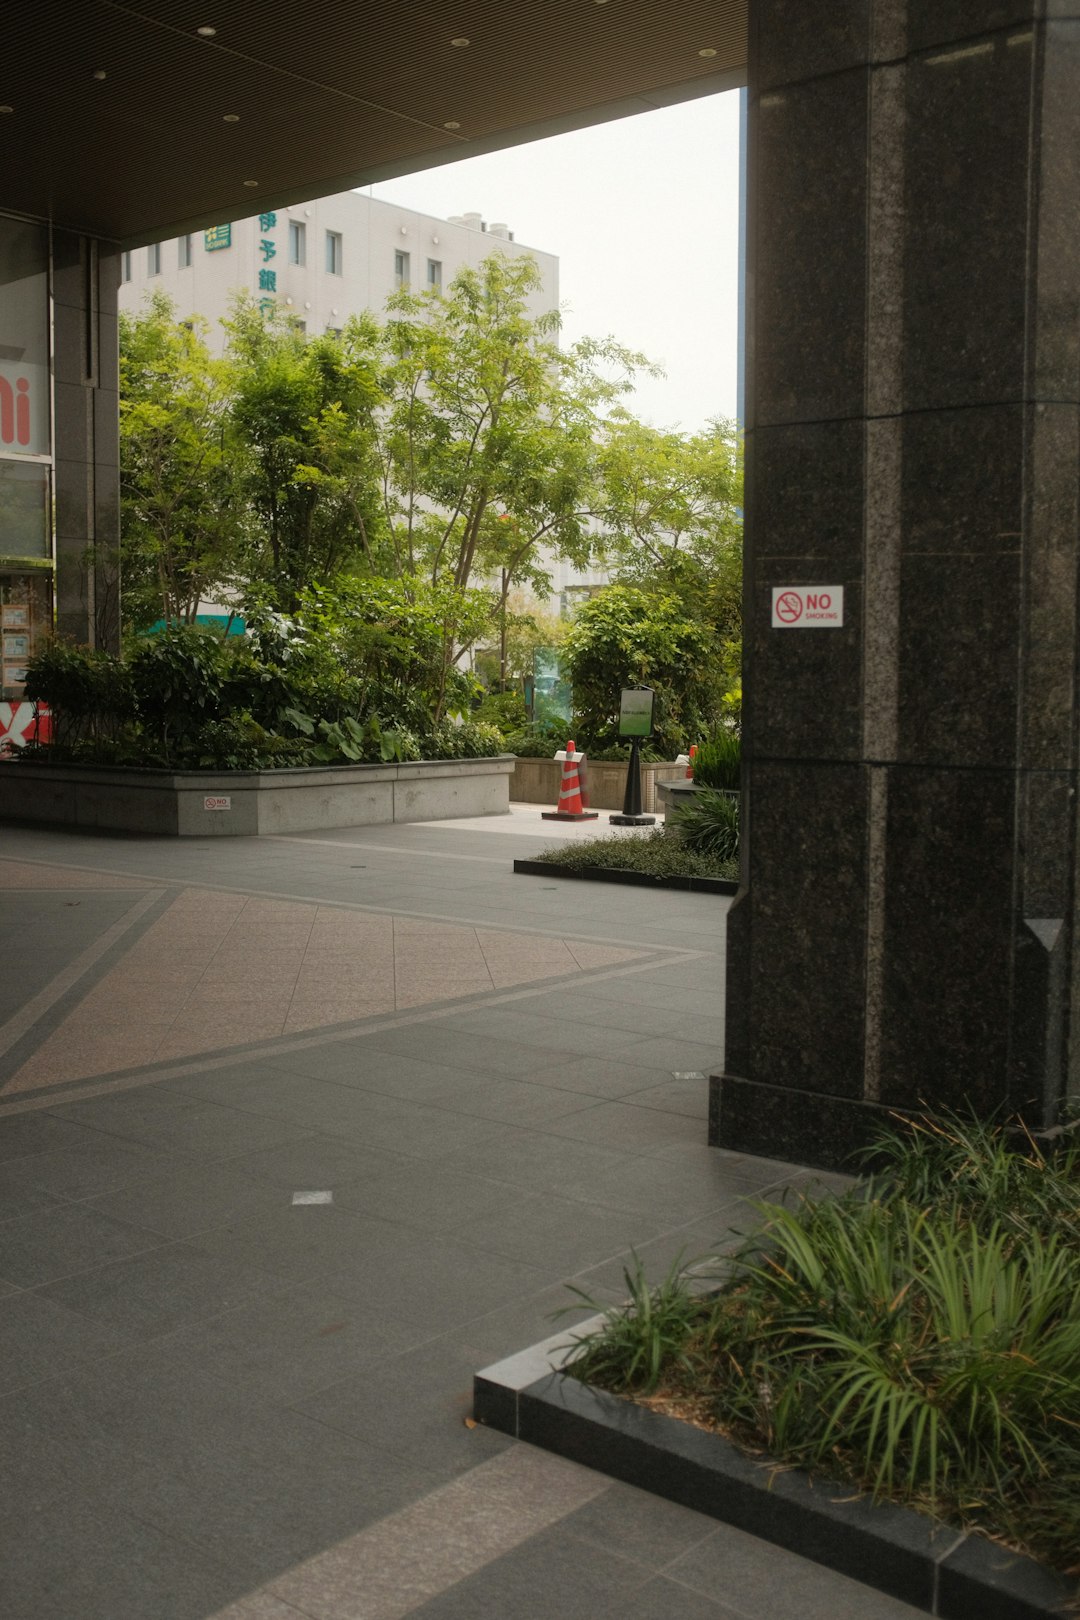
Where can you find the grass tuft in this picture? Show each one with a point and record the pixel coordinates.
(918, 1337)
(656, 852)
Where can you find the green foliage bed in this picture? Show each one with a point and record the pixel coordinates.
(918, 1337)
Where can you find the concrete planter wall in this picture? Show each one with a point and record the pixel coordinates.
(536, 781)
(208, 804)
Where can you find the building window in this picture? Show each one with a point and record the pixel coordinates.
(183, 252)
(333, 331)
(298, 242)
(153, 259)
(401, 269)
(125, 265)
(333, 252)
(434, 274)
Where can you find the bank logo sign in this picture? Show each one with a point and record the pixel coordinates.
(24, 408)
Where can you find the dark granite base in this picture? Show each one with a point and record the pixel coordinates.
(616, 874)
(827, 1132)
(940, 1569)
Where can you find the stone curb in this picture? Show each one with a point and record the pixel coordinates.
(946, 1572)
(619, 874)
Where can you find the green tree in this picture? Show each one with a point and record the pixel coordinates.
(487, 438)
(303, 410)
(183, 533)
(627, 635)
(673, 523)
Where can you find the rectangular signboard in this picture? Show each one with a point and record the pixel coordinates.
(636, 711)
(807, 607)
(217, 804)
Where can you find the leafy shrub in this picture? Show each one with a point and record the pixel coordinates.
(473, 739)
(709, 824)
(918, 1337)
(718, 761)
(177, 683)
(626, 636)
(88, 693)
(239, 743)
(505, 710)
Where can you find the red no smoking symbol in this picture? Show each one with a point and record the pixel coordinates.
(789, 607)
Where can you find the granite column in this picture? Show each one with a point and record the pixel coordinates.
(904, 933)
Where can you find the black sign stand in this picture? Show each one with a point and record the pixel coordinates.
(631, 808)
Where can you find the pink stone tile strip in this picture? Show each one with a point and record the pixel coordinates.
(220, 969)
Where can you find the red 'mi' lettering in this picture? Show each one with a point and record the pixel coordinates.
(14, 412)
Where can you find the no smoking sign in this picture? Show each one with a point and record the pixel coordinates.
(807, 607)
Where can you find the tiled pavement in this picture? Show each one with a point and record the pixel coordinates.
(220, 1402)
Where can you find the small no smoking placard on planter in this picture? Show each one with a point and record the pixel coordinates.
(807, 607)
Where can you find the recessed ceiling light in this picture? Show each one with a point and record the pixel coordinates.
(206, 32)
(451, 123)
(99, 73)
(459, 43)
(708, 51)
(230, 118)
(251, 182)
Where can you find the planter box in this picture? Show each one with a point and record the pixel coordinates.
(622, 874)
(208, 804)
(674, 795)
(939, 1569)
(537, 781)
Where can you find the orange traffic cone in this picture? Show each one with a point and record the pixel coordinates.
(570, 806)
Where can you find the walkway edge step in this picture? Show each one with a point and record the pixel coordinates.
(946, 1572)
(621, 874)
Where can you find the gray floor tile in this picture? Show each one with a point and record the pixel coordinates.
(318, 1161)
(189, 1200)
(97, 1166)
(537, 1162)
(416, 1412)
(550, 1574)
(426, 1195)
(549, 1231)
(112, 1566)
(640, 1526)
(40, 1337)
(759, 1580)
(59, 1243)
(596, 1076)
(24, 1134)
(627, 1129)
(153, 1293)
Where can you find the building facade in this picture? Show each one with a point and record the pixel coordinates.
(320, 261)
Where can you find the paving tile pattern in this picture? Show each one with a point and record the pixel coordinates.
(215, 1402)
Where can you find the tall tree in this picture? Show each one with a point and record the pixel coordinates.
(303, 409)
(487, 437)
(183, 529)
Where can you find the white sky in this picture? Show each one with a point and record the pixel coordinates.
(643, 214)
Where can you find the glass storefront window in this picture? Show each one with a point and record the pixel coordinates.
(24, 510)
(24, 339)
(25, 622)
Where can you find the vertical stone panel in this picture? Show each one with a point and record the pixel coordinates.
(86, 406)
(967, 174)
(810, 250)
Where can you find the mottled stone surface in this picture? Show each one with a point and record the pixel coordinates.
(913, 434)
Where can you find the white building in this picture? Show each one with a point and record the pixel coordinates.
(322, 261)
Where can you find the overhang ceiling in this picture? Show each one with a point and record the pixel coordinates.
(126, 122)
